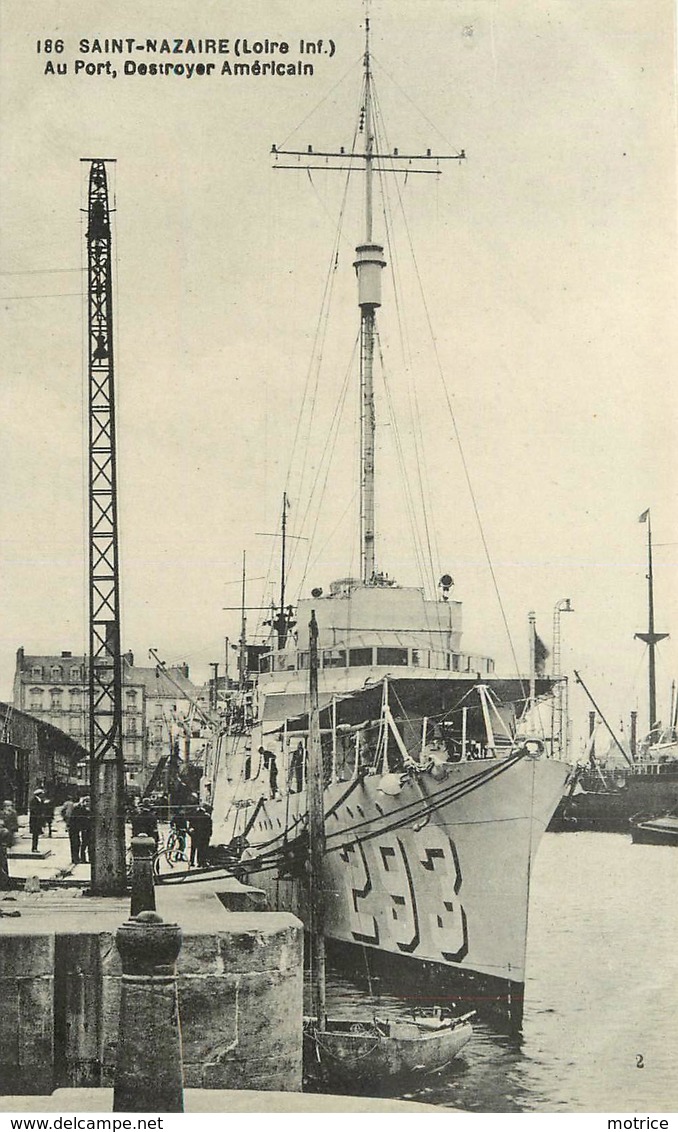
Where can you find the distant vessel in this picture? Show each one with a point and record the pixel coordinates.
(662, 830)
(605, 799)
(434, 807)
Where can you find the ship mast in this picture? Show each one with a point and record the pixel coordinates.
(651, 638)
(369, 263)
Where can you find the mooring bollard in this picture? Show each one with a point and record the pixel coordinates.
(149, 1074)
(143, 890)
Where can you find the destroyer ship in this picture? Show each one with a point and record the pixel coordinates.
(434, 803)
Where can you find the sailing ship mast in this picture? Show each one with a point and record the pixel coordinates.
(651, 638)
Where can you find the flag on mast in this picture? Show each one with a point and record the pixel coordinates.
(643, 518)
(540, 655)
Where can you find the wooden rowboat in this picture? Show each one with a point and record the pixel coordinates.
(376, 1051)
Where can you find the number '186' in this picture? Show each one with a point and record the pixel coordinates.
(47, 46)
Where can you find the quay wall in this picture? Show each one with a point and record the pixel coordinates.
(240, 989)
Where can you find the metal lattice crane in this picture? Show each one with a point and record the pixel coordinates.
(107, 769)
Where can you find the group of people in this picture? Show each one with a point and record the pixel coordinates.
(78, 821)
(194, 822)
(295, 782)
(187, 821)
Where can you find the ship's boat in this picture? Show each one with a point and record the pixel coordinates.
(376, 1052)
(434, 803)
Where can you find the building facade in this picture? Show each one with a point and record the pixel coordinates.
(158, 706)
(35, 753)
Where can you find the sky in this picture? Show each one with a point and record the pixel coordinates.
(548, 264)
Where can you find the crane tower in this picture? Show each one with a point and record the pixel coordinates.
(107, 769)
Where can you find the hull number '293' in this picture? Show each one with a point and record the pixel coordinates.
(383, 906)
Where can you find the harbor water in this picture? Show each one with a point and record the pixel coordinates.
(600, 1029)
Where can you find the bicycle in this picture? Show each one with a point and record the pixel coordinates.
(173, 851)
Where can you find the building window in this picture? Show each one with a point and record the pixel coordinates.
(359, 658)
(334, 658)
(56, 672)
(132, 726)
(391, 656)
(35, 702)
(76, 675)
(55, 696)
(36, 672)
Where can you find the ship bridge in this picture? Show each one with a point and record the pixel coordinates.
(366, 632)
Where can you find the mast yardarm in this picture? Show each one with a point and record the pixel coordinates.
(369, 263)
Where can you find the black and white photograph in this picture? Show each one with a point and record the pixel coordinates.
(338, 589)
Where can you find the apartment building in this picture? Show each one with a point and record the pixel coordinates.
(157, 705)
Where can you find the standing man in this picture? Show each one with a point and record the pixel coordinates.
(10, 820)
(70, 812)
(36, 817)
(145, 822)
(271, 765)
(48, 814)
(200, 828)
(296, 783)
(5, 842)
(82, 816)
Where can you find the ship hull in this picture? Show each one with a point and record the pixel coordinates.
(657, 831)
(435, 878)
(611, 810)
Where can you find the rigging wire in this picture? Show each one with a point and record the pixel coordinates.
(356, 63)
(457, 435)
(409, 99)
(318, 346)
(51, 295)
(407, 491)
(332, 533)
(328, 454)
(415, 417)
(312, 371)
(420, 461)
(309, 399)
(45, 271)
